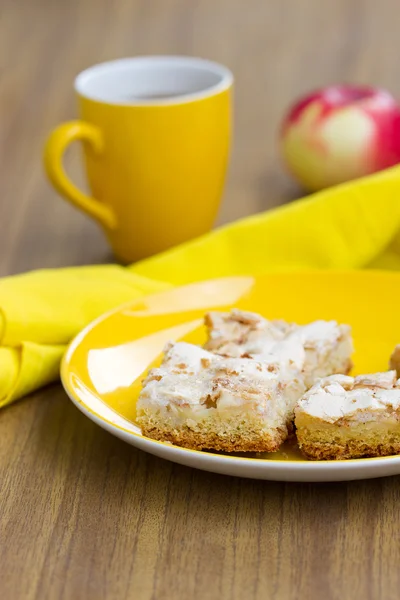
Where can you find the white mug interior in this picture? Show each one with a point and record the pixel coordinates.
(153, 80)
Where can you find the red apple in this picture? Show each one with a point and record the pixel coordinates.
(340, 133)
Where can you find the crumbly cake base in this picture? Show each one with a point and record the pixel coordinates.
(231, 435)
(340, 442)
(350, 449)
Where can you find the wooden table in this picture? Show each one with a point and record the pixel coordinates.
(83, 515)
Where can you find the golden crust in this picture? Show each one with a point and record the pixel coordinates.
(208, 440)
(351, 449)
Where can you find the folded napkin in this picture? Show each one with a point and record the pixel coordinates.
(351, 226)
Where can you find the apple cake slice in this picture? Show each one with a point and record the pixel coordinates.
(350, 417)
(201, 400)
(325, 347)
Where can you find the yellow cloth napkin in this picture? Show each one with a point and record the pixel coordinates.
(354, 225)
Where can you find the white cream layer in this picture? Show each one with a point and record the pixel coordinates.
(192, 378)
(318, 348)
(363, 398)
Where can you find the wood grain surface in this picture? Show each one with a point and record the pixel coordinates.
(82, 515)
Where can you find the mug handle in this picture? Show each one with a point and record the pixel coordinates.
(54, 150)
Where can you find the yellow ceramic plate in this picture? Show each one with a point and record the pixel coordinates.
(104, 365)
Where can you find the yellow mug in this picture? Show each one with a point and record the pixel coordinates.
(156, 134)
